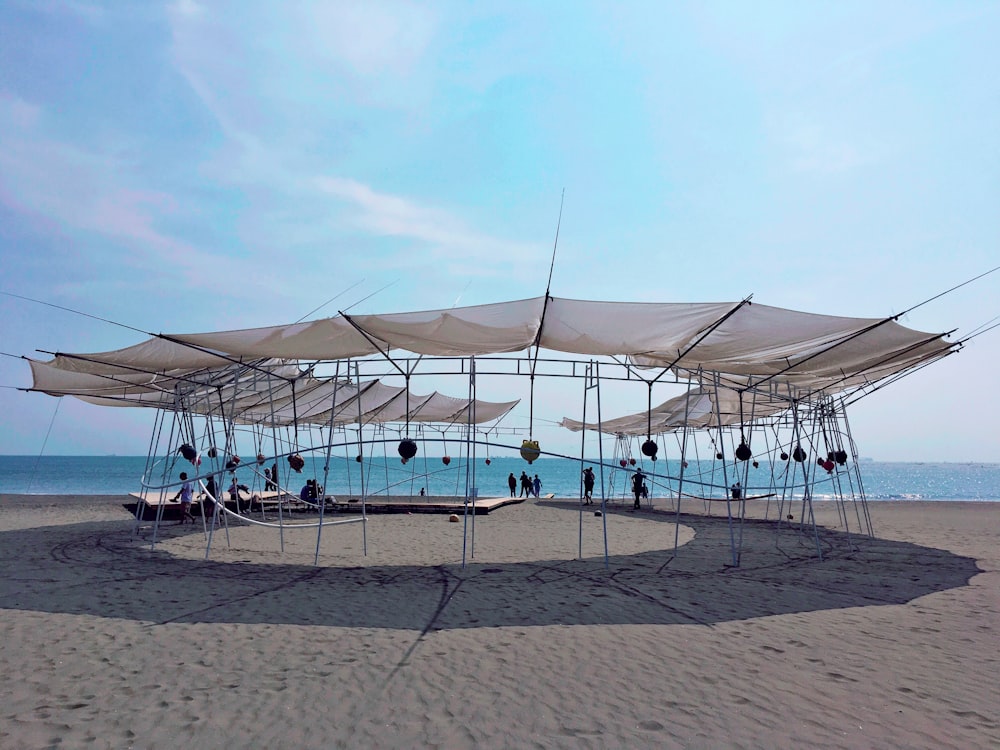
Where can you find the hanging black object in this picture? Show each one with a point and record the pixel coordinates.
(212, 452)
(407, 449)
(743, 453)
(798, 454)
(189, 453)
(358, 458)
(719, 455)
(784, 456)
(649, 448)
(755, 464)
(296, 462)
(841, 457)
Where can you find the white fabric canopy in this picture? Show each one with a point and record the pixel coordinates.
(744, 344)
(696, 409)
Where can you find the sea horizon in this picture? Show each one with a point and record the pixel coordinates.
(881, 480)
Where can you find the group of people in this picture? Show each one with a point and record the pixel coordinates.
(311, 491)
(529, 486)
(271, 478)
(186, 493)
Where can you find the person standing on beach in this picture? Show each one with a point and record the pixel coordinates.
(185, 495)
(588, 486)
(637, 480)
(736, 491)
(525, 485)
(537, 485)
(512, 483)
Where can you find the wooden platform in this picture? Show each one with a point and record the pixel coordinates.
(269, 503)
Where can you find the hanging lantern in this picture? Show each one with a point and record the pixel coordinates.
(488, 462)
(529, 450)
(623, 463)
(649, 448)
(260, 459)
(798, 454)
(446, 460)
(841, 457)
(743, 453)
(296, 462)
(828, 465)
(784, 456)
(407, 449)
(212, 452)
(719, 455)
(189, 453)
(631, 461)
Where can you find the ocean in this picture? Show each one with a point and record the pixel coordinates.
(117, 475)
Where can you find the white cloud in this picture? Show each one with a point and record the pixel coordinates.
(444, 234)
(371, 38)
(87, 190)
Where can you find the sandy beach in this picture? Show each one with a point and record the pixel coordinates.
(886, 643)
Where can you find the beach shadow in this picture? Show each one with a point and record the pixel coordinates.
(96, 569)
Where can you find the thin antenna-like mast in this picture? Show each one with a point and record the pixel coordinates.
(541, 320)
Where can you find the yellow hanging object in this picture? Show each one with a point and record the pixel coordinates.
(529, 450)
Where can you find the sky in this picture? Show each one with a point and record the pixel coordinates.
(192, 166)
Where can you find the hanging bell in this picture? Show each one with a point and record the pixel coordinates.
(212, 452)
(719, 455)
(623, 463)
(631, 461)
(828, 465)
(488, 462)
(261, 458)
(446, 460)
(358, 458)
(530, 451)
(743, 453)
(784, 456)
(407, 449)
(798, 454)
(841, 457)
(189, 453)
(296, 462)
(649, 448)
(755, 464)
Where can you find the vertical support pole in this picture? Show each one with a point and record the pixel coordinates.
(725, 475)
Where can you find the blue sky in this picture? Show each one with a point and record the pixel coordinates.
(196, 166)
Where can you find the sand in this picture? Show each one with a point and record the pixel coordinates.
(885, 643)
